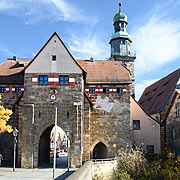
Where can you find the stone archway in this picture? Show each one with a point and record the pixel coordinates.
(44, 147)
(100, 151)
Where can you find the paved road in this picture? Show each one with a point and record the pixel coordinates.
(44, 172)
(61, 162)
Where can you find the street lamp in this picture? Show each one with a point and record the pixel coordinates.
(15, 134)
(68, 145)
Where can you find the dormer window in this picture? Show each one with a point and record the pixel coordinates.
(53, 57)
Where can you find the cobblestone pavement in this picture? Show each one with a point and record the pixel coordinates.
(34, 174)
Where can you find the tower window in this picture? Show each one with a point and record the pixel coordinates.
(122, 41)
(122, 27)
(43, 79)
(53, 57)
(105, 90)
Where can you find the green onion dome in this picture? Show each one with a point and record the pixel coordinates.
(120, 17)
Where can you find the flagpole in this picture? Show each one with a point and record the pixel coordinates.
(54, 164)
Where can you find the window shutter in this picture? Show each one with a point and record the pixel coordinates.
(7, 89)
(114, 90)
(87, 89)
(71, 80)
(50, 79)
(101, 90)
(22, 89)
(124, 90)
(13, 89)
(96, 90)
(35, 79)
(56, 79)
(110, 90)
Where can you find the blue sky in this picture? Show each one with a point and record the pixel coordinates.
(86, 26)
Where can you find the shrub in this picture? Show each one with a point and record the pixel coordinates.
(132, 161)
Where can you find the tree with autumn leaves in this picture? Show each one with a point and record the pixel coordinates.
(4, 117)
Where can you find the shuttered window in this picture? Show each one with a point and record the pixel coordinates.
(63, 80)
(2, 90)
(43, 79)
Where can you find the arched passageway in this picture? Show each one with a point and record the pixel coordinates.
(100, 151)
(44, 147)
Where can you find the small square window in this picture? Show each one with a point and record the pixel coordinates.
(92, 90)
(63, 80)
(105, 90)
(17, 89)
(2, 90)
(43, 79)
(150, 149)
(53, 57)
(136, 124)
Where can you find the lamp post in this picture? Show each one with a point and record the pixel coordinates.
(68, 145)
(15, 134)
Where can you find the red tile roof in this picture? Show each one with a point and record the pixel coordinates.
(101, 71)
(11, 71)
(156, 95)
(10, 67)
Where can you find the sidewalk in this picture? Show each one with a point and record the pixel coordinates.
(34, 174)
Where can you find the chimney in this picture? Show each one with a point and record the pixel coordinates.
(14, 58)
(91, 59)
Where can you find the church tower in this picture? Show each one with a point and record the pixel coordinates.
(121, 44)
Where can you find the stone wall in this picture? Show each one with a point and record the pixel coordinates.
(173, 126)
(92, 170)
(110, 121)
(70, 117)
(103, 168)
(10, 100)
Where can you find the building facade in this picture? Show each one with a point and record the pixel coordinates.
(92, 100)
(146, 130)
(156, 100)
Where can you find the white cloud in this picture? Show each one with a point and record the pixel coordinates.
(54, 10)
(86, 46)
(140, 86)
(5, 5)
(156, 43)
